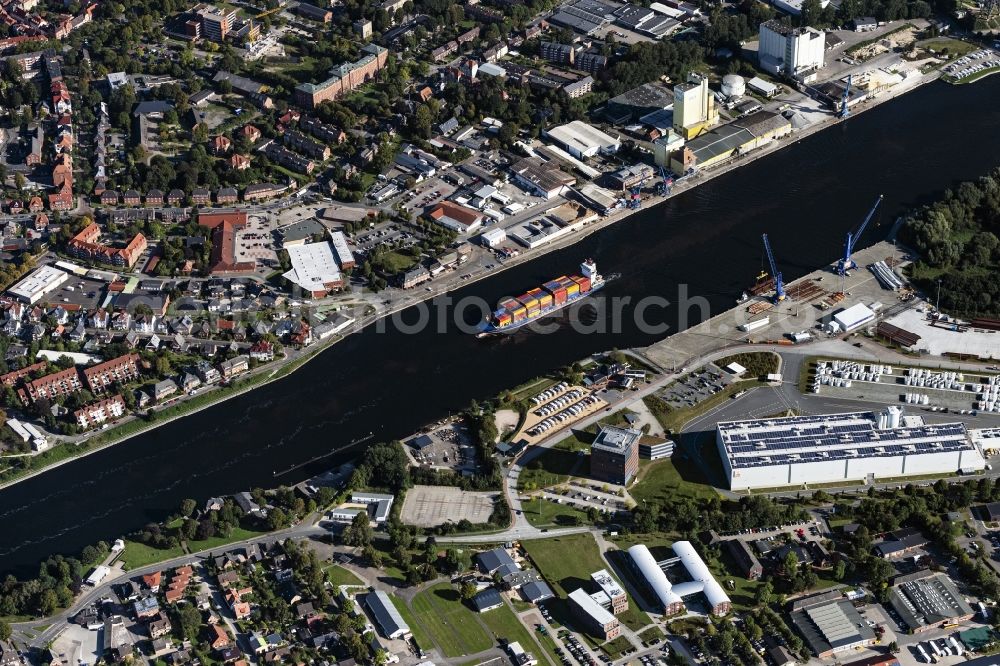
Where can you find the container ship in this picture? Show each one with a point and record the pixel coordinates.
(513, 313)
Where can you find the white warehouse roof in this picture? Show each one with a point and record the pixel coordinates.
(830, 447)
(313, 266)
(39, 282)
(850, 318)
(341, 248)
(584, 139)
(765, 87)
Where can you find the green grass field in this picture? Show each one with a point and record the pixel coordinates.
(420, 635)
(660, 480)
(138, 555)
(392, 262)
(238, 534)
(341, 576)
(452, 625)
(545, 513)
(614, 648)
(946, 46)
(505, 625)
(566, 573)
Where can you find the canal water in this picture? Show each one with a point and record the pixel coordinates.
(805, 197)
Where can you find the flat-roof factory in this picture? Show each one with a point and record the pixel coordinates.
(764, 453)
(583, 140)
(670, 596)
(830, 625)
(926, 600)
(584, 16)
(38, 282)
(542, 178)
(736, 138)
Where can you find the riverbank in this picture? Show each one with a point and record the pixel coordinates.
(129, 430)
(704, 243)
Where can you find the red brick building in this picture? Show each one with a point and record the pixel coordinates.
(103, 375)
(344, 78)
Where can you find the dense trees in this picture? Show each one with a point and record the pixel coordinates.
(690, 516)
(59, 578)
(647, 61)
(383, 466)
(921, 508)
(956, 238)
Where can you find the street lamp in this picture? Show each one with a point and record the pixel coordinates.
(937, 305)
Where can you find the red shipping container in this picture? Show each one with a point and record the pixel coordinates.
(584, 283)
(559, 295)
(508, 304)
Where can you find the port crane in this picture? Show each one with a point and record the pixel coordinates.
(779, 283)
(663, 187)
(844, 111)
(847, 263)
(635, 198)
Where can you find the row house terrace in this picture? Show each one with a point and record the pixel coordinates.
(104, 375)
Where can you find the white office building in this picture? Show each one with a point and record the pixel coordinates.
(787, 451)
(671, 596)
(794, 52)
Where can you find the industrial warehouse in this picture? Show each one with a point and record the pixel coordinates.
(671, 597)
(765, 453)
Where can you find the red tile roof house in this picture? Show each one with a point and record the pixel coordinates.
(251, 133)
(220, 145)
(152, 581)
(239, 162)
(218, 638)
(455, 217)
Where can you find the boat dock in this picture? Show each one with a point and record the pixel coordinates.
(812, 299)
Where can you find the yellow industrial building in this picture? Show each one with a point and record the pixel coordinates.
(737, 138)
(694, 107)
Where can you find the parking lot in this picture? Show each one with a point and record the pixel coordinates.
(974, 63)
(426, 194)
(430, 506)
(254, 242)
(388, 234)
(694, 388)
(449, 446)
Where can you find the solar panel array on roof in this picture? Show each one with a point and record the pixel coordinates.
(765, 442)
(929, 600)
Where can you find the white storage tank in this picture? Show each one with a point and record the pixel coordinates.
(733, 85)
